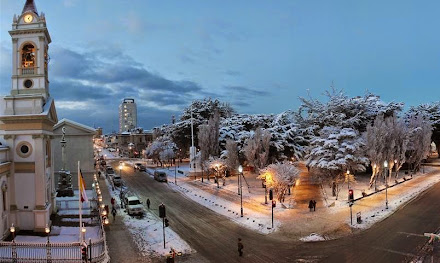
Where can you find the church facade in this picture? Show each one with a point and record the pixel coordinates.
(27, 118)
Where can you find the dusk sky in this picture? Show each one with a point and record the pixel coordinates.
(259, 56)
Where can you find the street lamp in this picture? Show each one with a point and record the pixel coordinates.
(12, 230)
(48, 252)
(348, 179)
(47, 230)
(240, 170)
(385, 165)
(375, 179)
(83, 231)
(217, 169)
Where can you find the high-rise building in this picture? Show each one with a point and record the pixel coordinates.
(127, 115)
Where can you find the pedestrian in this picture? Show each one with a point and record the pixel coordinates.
(148, 203)
(112, 201)
(314, 205)
(310, 205)
(99, 174)
(114, 213)
(240, 247)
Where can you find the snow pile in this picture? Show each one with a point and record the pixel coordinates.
(313, 237)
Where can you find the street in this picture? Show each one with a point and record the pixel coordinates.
(214, 237)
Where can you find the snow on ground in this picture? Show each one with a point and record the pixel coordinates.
(372, 209)
(259, 221)
(313, 237)
(62, 235)
(147, 232)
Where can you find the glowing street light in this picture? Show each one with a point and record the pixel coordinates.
(12, 230)
(47, 230)
(240, 170)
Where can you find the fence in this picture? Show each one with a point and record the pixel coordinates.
(52, 252)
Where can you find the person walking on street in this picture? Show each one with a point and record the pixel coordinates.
(310, 205)
(148, 203)
(314, 205)
(114, 214)
(99, 174)
(240, 247)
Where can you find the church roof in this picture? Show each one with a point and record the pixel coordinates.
(75, 124)
(30, 6)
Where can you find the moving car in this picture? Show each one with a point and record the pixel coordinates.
(160, 176)
(109, 170)
(133, 205)
(140, 167)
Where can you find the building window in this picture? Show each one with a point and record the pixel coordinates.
(24, 149)
(28, 83)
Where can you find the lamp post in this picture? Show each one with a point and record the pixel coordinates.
(348, 179)
(240, 170)
(385, 165)
(83, 231)
(14, 252)
(217, 169)
(12, 230)
(175, 174)
(375, 179)
(48, 252)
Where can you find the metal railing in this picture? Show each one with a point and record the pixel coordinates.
(27, 71)
(52, 252)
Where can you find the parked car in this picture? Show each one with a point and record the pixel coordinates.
(109, 170)
(140, 167)
(160, 176)
(133, 205)
(117, 180)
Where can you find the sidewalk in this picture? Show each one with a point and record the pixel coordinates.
(329, 222)
(122, 249)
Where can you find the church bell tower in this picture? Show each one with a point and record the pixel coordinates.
(27, 123)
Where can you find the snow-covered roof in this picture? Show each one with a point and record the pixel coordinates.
(75, 124)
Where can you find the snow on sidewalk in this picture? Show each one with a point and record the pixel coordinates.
(261, 222)
(147, 232)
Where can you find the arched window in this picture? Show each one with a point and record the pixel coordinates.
(28, 56)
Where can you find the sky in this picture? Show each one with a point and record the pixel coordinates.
(259, 56)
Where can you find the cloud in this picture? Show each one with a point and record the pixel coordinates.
(233, 73)
(245, 91)
(93, 83)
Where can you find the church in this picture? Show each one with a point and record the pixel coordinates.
(27, 119)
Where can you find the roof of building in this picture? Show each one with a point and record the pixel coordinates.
(75, 124)
(30, 6)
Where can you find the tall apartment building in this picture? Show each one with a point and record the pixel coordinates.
(127, 115)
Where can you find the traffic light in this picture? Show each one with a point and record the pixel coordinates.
(162, 212)
(350, 195)
(270, 194)
(167, 223)
(274, 203)
(84, 252)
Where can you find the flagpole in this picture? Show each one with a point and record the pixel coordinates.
(80, 204)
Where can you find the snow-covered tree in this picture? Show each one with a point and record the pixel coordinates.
(342, 111)
(231, 155)
(431, 112)
(335, 151)
(279, 177)
(167, 155)
(256, 149)
(218, 167)
(386, 140)
(157, 147)
(419, 132)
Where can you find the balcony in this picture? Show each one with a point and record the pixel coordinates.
(28, 71)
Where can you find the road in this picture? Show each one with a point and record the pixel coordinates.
(214, 237)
